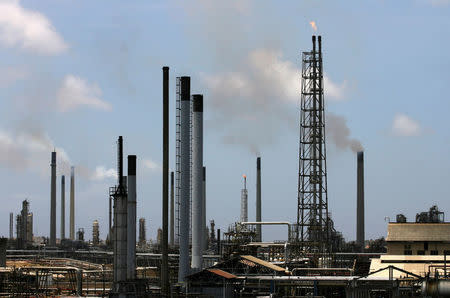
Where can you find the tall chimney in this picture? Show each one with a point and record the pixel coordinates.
(165, 188)
(185, 175)
(72, 204)
(63, 207)
(11, 225)
(244, 202)
(172, 210)
(360, 201)
(120, 220)
(258, 199)
(198, 225)
(131, 218)
(53, 201)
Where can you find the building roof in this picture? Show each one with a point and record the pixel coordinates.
(419, 232)
(222, 273)
(263, 263)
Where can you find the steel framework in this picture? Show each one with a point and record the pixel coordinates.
(312, 217)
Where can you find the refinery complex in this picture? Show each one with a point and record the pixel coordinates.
(193, 258)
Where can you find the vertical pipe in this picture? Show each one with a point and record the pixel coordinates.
(11, 225)
(258, 199)
(165, 186)
(197, 182)
(63, 207)
(131, 218)
(360, 201)
(172, 210)
(185, 181)
(72, 204)
(244, 201)
(219, 250)
(205, 231)
(53, 201)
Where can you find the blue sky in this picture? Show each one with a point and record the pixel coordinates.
(74, 75)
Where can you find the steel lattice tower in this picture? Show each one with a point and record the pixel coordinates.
(312, 216)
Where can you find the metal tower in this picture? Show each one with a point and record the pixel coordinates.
(312, 217)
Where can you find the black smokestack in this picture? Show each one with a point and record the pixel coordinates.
(120, 162)
(360, 201)
(258, 199)
(165, 186)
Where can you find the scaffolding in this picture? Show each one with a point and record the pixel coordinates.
(313, 233)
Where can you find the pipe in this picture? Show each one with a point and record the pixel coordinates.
(185, 175)
(53, 201)
(72, 204)
(197, 182)
(172, 211)
(436, 288)
(63, 208)
(360, 201)
(244, 202)
(165, 187)
(258, 199)
(131, 218)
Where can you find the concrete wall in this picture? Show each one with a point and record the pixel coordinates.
(398, 248)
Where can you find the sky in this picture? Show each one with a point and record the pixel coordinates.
(74, 75)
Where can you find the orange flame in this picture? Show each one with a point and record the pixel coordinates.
(244, 176)
(313, 25)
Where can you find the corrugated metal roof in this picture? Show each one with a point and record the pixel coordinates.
(263, 263)
(222, 273)
(418, 232)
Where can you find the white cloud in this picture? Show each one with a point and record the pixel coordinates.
(404, 126)
(75, 92)
(151, 165)
(101, 173)
(266, 67)
(28, 30)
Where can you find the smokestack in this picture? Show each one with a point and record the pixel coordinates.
(142, 236)
(120, 220)
(72, 204)
(165, 187)
(53, 201)
(185, 175)
(131, 218)
(63, 208)
(11, 225)
(219, 248)
(258, 199)
(172, 210)
(95, 233)
(205, 232)
(244, 202)
(360, 201)
(198, 226)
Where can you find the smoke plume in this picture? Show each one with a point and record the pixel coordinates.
(339, 133)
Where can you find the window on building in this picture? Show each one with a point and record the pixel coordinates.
(447, 252)
(407, 246)
(434, 252)
(425, 245)
(421, 252)
(407, 252)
